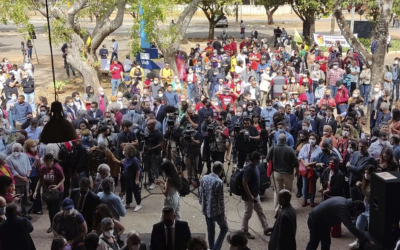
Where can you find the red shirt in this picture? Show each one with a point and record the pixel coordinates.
(301, 98)
(254, 63)
(244, 44)
(342, 96)
(199, 105)
(228, 49)
(51, 176)
(209, 49)
(322, 66)
(226, 99)
(233, 46)
(116, 74)
(309, 81)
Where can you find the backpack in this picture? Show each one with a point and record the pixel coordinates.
(235, 184)
(185, 190)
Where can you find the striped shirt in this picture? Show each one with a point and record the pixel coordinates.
(334, 76)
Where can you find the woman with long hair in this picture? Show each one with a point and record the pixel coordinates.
(364, 187)
(31, 150)
(171, 187)
(394, 126)
(42, 101)
(387, 161)
(6, 188)
(132, 172)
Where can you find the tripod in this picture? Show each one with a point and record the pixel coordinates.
(194, 170)
(146, 160)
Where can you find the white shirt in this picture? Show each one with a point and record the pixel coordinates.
(115, 47)
(253, 93)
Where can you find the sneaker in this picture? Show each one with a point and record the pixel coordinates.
(312, 204)
(137, 208)
(152, 186)
(298, 195)
(268, 231)
(354, 245)
(249, 236)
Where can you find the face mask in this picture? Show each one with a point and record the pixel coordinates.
(293, 81)
(239, 114)
(361, 107)
(325, 133)
(396, 62)
(230, 109)
(16, 154)
(327, 96)
(303, 106)
(71, 104)
(331, 166)
(304, 128)
(42, 113)
(312, 141)
(13, 98)
(86, 138)
(281, 64)
(34, 149)
(155, 82)
(102, 93)
(335, 66)
(350, 150)
(132, 111)
(68, 211)
(355, 95)
(367, 176)
(160, 95)
(306, 90)
(109, 233)
(93, 109)
(345, 133)
(250, 108)
(77, 99)
(280, 130)
(376, 89)
(269, 107)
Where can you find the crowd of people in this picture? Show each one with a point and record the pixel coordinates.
(298, 108)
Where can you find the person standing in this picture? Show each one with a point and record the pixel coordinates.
(211, 199)
(283, 234)
(132, 176)
(101, 99)
(395, 78)
(28, 87)
(251, 197)
(328, 213)
(116, 74)
(284, 161)
(355, 72)
(114, 48)
(333, 76)
(242, 28)
(103, 53)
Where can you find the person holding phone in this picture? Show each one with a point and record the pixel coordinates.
(117, 72)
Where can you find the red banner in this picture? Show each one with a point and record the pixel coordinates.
(181, 65)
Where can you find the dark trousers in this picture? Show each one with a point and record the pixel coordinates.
(241, 158)
(112, 56)
(217, 156)
(319, 232)
(354, 193)
(54, 208)
(353, 86)
(299, 184)
(67, 183)
(220, 220)
(37, 203)
(395, 87)
(131, 187)
(67, 66)
(23, 190)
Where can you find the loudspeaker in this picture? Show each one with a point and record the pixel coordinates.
(385, 208)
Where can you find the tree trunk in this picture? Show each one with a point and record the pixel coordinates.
(309, 27)
(332, 25)
(270, 14)
(211, 30)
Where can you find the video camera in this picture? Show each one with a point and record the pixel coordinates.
(237, 126)
(144, 136)
(246, 136)
(188, 132)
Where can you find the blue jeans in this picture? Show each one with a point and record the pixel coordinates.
(30, 98)
(395, 85)
(30, 53)
(341, 108)
(189, 90)
(114, 85)
(334, 90)
(364, 88)
(127, 78)
(306, 188)
(216, 245)
(363, 219)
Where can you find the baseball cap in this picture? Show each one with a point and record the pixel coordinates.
(249, 64)
(67, 203)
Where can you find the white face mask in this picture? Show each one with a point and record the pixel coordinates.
(13, 98)
(239, 113)
(303, 106)
(109, 233)
(155, 82)
(325, 133)
(92, 109)
(367, 176)
(250, 108)
(34, 149)
(77, 99)
(376, 89)
(304, 128)
(293, 81)
(335, 66)
(355, 95)
(312, 141)
(160, 95)
(345, 133)
(350, 150)
(102, 93)
(16, 154)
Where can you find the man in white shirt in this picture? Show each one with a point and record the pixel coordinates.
(355, 72)
(114, 48)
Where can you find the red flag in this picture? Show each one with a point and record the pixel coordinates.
(180, 64)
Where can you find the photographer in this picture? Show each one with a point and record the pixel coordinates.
(191, 143)
(172, 135)
(153, 142)
(190, 117)
(219, 140)
(110, 122)
(208, 123)
(246, 141)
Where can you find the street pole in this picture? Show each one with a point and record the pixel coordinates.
(37, 58)
(241, 12)
(353, 10)
(237, 11)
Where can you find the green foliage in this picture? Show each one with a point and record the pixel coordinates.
(268, 4)
(213, 8)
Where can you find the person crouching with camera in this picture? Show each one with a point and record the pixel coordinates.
(246, 141)
(191, 143)
(219, 140)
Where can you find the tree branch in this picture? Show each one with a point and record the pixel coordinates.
(298, 13)
(186, 16)
(350, 38)
(73, 10)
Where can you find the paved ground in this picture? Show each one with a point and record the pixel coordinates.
(150, 214)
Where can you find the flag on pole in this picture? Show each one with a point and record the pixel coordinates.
(296, 37)
(69, 4)
(88, 41)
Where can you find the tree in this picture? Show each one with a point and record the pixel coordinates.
(214, 11)
(66, 27)
(308, 11)
(168, 38)
(270, 7)
(375, 61)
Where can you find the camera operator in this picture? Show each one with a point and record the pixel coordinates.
(246, 141)
(191, 143)
(110, 122)
(219, 139)
(208, 123)
(172, 135)
(152, 151)
(190, 117)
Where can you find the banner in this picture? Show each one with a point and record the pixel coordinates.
(296, 37)
(181, 65)
(328, 41)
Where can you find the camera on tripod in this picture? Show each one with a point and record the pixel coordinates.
(246, 136)
(144, 136)
(170, 120)
(188, 132)
(237, 126)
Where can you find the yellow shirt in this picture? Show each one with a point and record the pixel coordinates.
(233, 64)
(164, 73)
